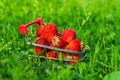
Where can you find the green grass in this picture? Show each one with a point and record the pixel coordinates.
(96, 22)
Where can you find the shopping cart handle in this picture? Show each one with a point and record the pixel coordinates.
(53, 48)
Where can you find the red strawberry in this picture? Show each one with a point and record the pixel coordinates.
(22, 29)
(68, 35)
(37, 50)
(74, 45)
(40, 41)
(40, 25)
(58, 42)
(39, 31)
(52, 55)
(49, 31)
(55, 55)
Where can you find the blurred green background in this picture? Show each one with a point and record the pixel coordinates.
(96, 22)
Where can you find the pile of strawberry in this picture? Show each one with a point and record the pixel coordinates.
(49, 35)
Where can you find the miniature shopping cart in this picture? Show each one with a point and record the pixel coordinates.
(23, 30)
(81, 54)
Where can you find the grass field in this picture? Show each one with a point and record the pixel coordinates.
(96, 22)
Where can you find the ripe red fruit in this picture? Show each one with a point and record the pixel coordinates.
(55, 55)
(58, 42)
(68, 35)
(74, 45)
(49, 31)
(40, 24)
(37, 50)
(40, 41)
(52, 55)
(39, 31)
(22, 29)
